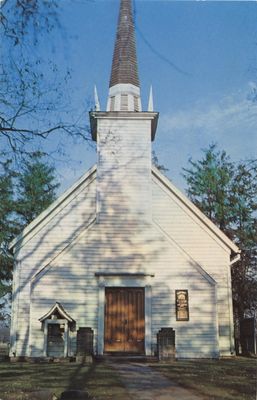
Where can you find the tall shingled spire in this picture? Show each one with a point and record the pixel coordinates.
(124, 88)
(124, 64)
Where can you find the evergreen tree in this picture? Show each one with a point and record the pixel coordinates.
(7, 230)
(227, 193)
(7, 226)
(23, 196)
(244, 205)
(209, 186)
(36, 185)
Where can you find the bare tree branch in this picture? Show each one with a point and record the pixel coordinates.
(32, 108)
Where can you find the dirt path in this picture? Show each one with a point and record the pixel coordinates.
(144, 383)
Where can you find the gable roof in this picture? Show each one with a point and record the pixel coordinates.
(45, 268)
(193, 262)
(87, 178)
(193, 209)
(60, 309)
(43, 218)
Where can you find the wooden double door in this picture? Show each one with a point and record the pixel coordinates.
(124, 320)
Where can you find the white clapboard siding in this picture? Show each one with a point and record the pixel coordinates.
(42, 245)
(124, 168)
(191, 234)
(55, 285)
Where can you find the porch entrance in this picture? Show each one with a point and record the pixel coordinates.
(55, 340)
(124, 327)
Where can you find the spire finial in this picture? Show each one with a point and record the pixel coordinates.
(150, 101)
(97, 103)
(124, 63)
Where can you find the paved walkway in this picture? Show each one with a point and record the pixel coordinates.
(145, 383)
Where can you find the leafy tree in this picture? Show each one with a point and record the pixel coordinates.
(227, 193)
(37, 188)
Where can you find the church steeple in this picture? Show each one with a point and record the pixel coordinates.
(124, 63)
(124, 133)
(124, 92)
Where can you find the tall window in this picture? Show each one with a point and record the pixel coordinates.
(112, 103)
(124, 102)
(182, 305)
(136, 103)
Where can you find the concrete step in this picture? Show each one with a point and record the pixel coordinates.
(124, 358)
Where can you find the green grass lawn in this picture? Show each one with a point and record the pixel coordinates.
(99, 380)
(231, 379)
(228, 379)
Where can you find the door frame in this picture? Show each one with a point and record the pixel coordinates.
(64, 322)
(127, 280)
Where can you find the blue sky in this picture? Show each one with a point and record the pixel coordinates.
(200, 57)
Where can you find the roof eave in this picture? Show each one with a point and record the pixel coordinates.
(206, 221)
(54, 206)
(57, 306)
(95, 115)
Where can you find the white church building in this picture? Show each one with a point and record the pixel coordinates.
(122, 252)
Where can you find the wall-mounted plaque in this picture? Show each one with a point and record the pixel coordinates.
(182, 307)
